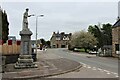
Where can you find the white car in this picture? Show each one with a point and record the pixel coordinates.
(93, 52)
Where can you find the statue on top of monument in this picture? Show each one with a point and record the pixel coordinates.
(25, 19)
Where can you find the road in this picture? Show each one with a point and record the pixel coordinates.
(93, 67)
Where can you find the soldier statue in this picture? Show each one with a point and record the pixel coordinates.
(25, 19)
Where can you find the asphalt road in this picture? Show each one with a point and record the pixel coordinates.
(96, 66)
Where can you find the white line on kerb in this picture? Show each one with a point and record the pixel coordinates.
(116, 76)
(108, 73)
(99, 69)
(115, 73)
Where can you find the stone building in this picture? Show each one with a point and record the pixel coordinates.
(60, 40)
(116, 39)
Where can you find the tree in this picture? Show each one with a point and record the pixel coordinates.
(107, 33)
(48, 43)
(83, 39)
(103, 34)
(95, 30)
(43, 41)
(5, 28)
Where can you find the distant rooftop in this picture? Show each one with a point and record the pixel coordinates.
(117, 24)
(11, 38)
(61, 35)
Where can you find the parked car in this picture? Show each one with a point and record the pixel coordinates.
(93, 52)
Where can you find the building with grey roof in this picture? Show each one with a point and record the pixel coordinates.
(60, 40)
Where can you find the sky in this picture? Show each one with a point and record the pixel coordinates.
(67, 17)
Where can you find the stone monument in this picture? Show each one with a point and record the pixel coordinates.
(25, 59)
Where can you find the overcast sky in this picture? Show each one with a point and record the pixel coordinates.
(59, 16)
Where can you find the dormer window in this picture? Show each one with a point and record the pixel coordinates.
(58, 38)
(65, 38)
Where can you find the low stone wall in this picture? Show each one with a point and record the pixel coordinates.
(11, 58)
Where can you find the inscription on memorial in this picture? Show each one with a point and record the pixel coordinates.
(26, 48)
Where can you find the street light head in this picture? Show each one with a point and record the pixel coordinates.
(41, 15)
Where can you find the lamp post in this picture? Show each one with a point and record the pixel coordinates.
(36, 30)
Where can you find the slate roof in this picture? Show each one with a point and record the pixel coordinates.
(61, 35)
(117, 24)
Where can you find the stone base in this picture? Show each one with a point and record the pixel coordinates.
(25, 61)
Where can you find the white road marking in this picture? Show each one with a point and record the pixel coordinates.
(115, 73)
(104, 70)
(117, 76)
(89, 67)
(108, 73)
(101, 70)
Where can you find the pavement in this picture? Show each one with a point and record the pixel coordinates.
(48, 65)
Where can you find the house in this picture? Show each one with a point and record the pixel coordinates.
(13, 38)
(60, 40)
(116, 39)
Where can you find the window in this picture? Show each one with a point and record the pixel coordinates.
(117, 47)
(57, 38)
(65, 38)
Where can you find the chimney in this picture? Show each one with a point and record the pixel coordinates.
(70, 34)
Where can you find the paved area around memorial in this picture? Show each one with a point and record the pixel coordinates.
(48, 64)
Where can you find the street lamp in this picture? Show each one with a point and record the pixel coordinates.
(36, 29)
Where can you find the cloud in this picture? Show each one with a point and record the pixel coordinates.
(62, 16)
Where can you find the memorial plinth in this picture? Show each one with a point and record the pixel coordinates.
(25, 59)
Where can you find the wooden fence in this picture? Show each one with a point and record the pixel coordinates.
(10, 48)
